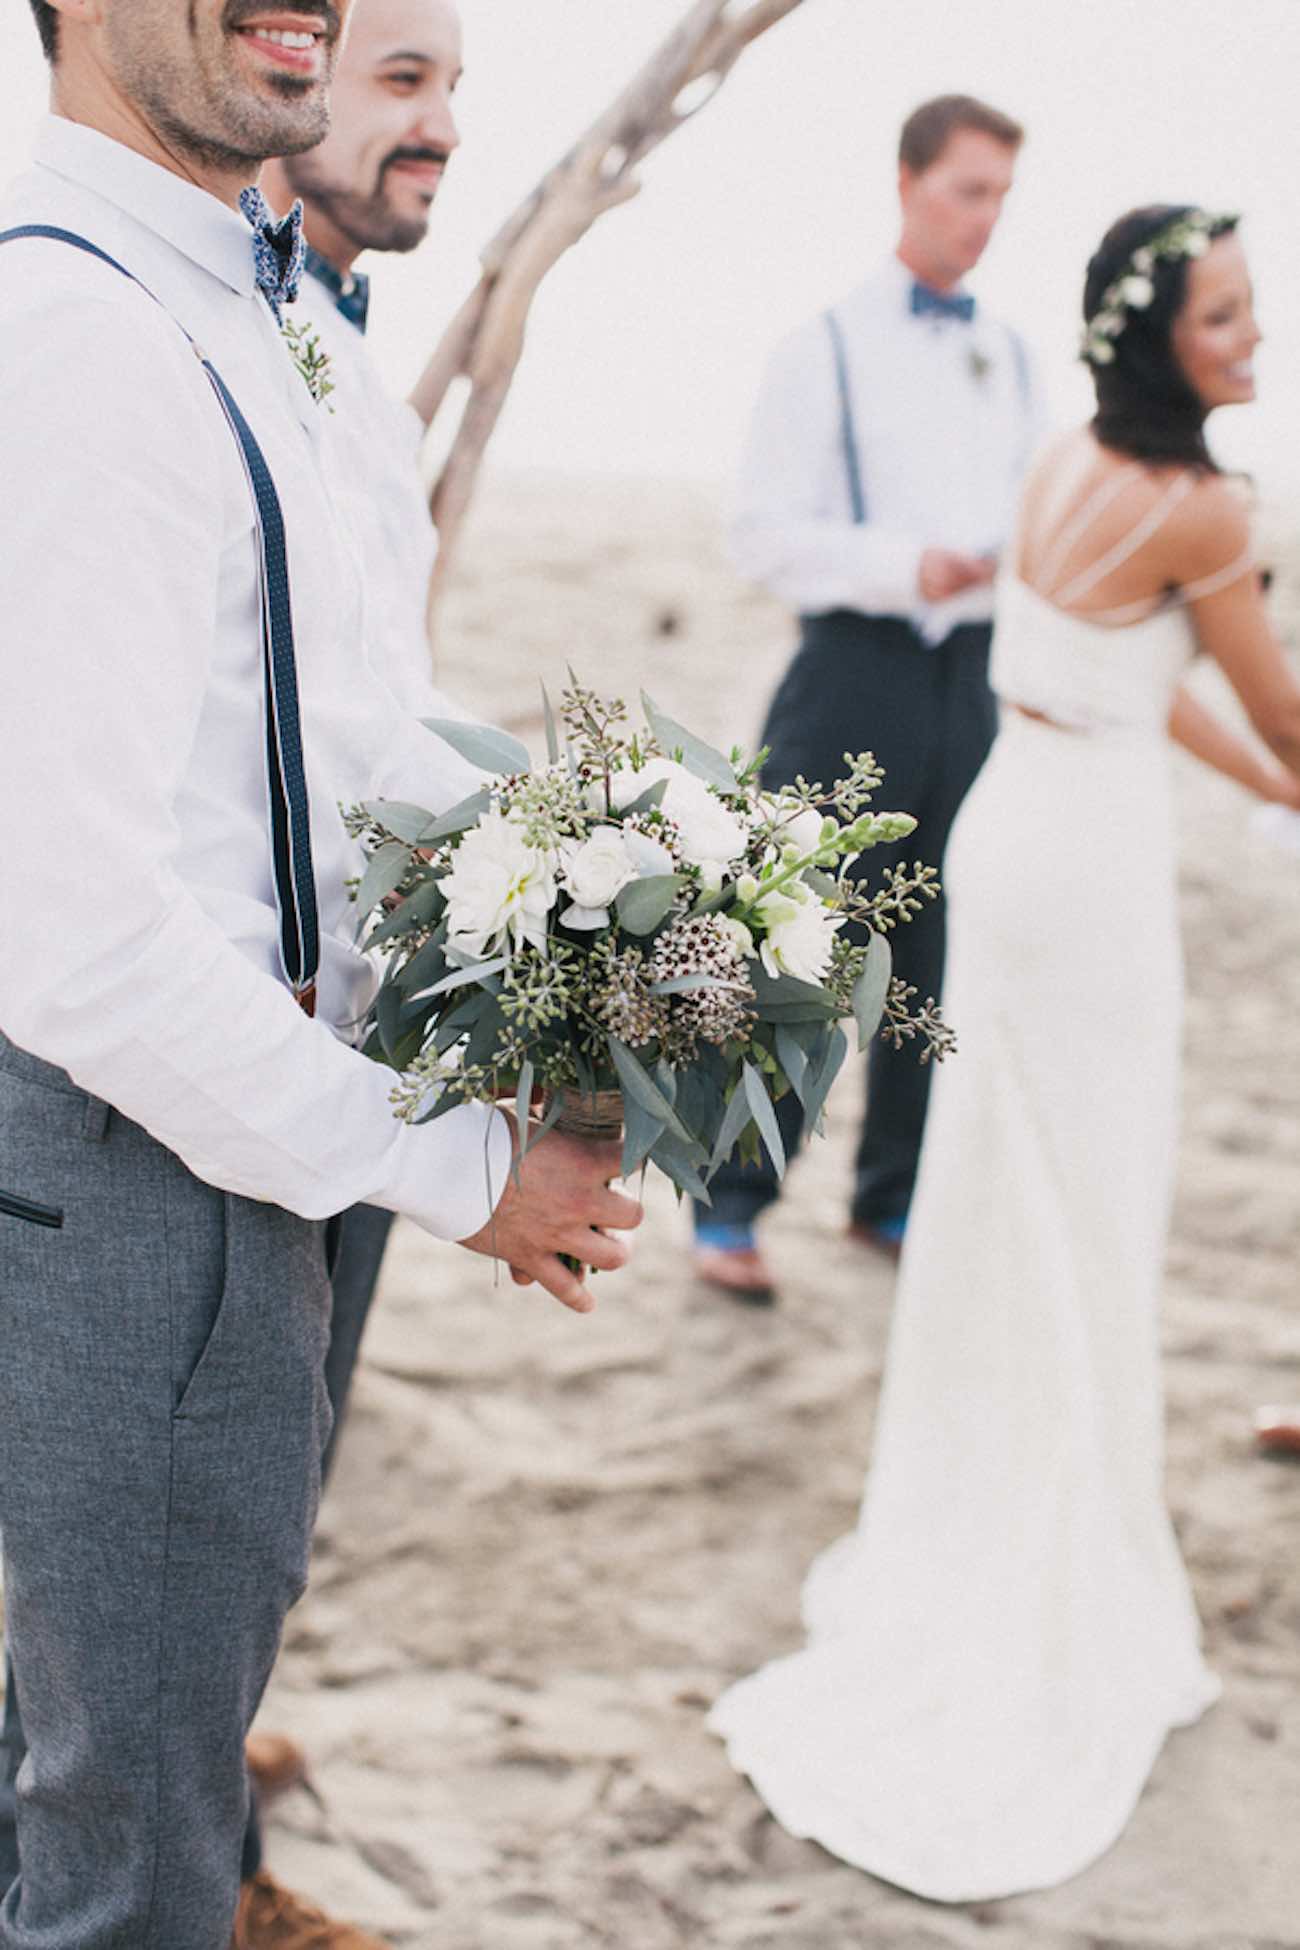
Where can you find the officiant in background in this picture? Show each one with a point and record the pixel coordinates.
(883, 464)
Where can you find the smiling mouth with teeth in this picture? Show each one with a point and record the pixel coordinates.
(296, 48)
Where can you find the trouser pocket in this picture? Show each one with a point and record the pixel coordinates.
(14, 1207)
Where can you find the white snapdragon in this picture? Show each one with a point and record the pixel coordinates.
(801, 826)
(798, 933)
(711, 835)
(499, 891)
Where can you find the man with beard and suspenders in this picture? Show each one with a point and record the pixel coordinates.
(181, 1112)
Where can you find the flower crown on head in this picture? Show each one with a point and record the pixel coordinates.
(1134, 288)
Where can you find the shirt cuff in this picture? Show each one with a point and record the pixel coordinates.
(890, 570)
(449, 1175)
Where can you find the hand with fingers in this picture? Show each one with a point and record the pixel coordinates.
(560, 1200)
(945, 572)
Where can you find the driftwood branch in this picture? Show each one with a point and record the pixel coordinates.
(485, 339)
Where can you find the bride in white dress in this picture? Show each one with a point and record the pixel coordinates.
(995, 1655)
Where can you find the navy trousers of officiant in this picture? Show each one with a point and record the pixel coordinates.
(872, 683)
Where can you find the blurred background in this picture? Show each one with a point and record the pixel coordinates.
(647, 342)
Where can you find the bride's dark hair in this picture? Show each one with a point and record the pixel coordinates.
(1146, 406)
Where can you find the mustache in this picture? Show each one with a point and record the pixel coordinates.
(237, 12)
(417, 154)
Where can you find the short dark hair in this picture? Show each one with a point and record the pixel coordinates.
(927, 130)
(1146, 405)
(47, 24)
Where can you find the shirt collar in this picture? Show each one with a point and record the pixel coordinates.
(192, 220)
(350, 292)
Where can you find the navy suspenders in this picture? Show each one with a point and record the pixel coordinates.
(295, 884)
(848, 427)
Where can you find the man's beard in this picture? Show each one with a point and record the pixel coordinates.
(370, 223)
(193, 101)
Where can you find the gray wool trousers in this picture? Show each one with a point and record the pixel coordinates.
(163, 1415)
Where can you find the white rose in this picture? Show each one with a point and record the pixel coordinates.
(499, 891)
(1137, 292)
(709, 832)
(597, 868)
(798, 934)
(648, 856)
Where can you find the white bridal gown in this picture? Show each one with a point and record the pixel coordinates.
(996, 1654)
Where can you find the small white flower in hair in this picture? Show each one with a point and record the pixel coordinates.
(1137, 292)
(1196, 244)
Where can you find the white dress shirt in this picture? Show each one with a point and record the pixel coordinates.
(372, 445)
(138, 925)
(947, 416)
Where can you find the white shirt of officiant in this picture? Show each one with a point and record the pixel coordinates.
(372, 448)
(947, 416)
(138, 925)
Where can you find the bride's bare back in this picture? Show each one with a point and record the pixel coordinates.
(1115, 539)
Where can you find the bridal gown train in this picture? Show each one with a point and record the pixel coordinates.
(996, 1654)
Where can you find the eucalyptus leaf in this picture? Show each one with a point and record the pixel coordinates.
(647, 801)
(482, 744)
(688, 984)
(822, 1074)
(793, 1058)
(787, 991)
(458, 818)
(644, 904)
(523, 1104)
(396, 816)
(871, 988)
(460, 977)
(764, 1116)
(485, 1034)
(442, 1103)
(427, 964)
(734, 1120)
(388, 1018)
(552, 733)
(697, 757)
(641, 1130)
(385, 868)
(676, 1162)
(637, 1083)
(415, 911)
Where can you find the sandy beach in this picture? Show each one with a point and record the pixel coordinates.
(551, 1541)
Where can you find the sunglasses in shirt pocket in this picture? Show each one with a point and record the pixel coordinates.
(14, 1207)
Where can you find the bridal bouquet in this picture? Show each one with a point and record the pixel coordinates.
(635, 934)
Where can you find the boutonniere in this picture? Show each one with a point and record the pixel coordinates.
(310, 359)
(980, 364)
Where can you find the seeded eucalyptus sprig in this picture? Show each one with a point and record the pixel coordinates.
(311, 361)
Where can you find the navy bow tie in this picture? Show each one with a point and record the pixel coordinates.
(278, 249)
(929, 303)
(350, 294)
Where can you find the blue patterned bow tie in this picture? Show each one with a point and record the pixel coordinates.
(929, 303)
(351, 294)
(278, 249)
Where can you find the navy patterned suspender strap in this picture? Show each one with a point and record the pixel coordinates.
(291, 860)
(848, 427)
